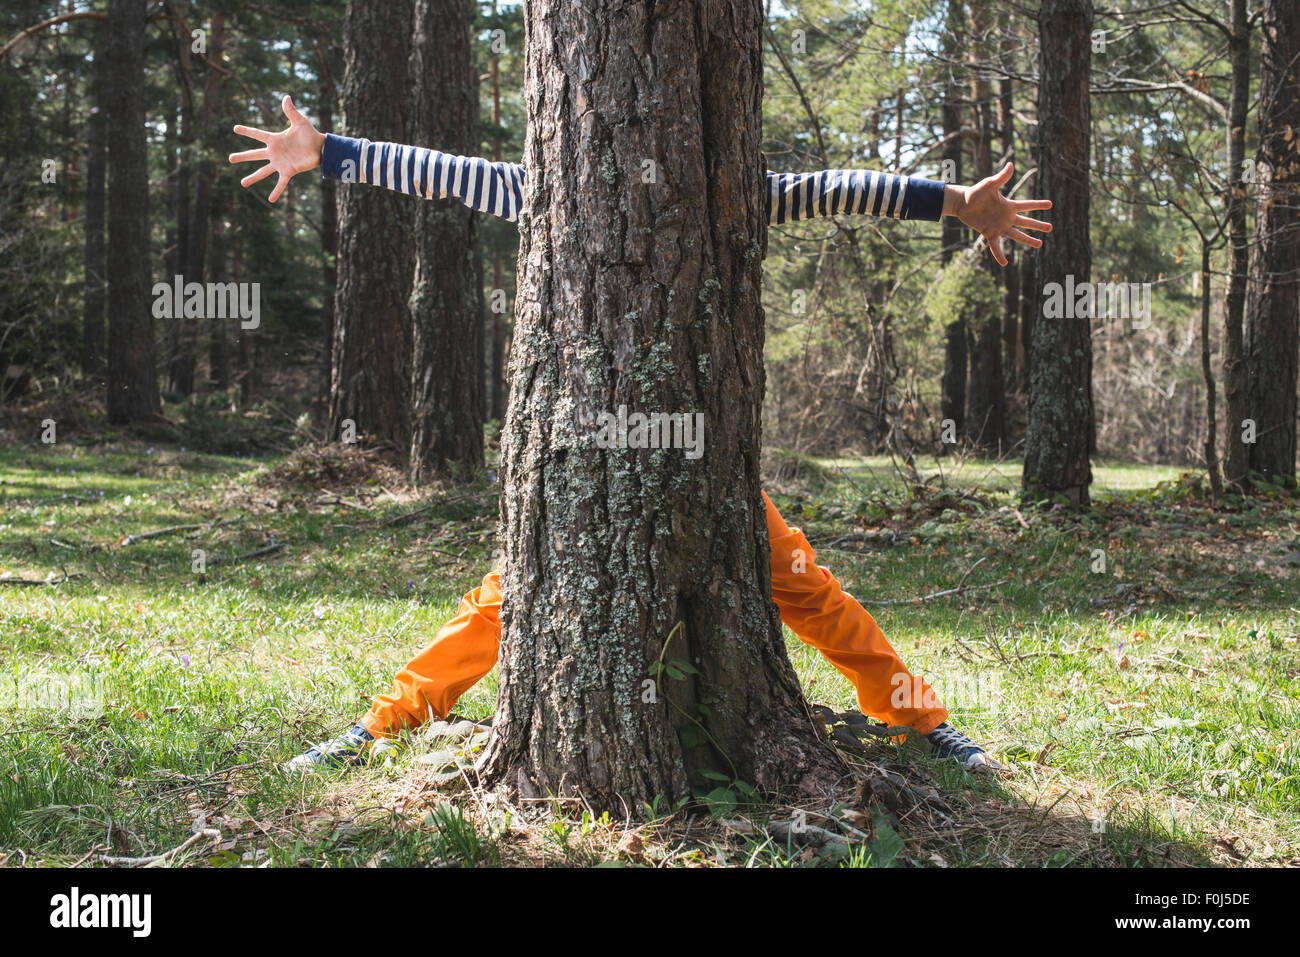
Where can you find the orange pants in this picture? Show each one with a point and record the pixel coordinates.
(810, 600)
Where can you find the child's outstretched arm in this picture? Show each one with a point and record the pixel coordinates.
(982, 207)
(484, 186)
(495, 188)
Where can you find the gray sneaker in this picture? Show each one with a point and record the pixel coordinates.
(347, 750)
(947, 742)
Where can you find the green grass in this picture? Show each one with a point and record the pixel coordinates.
(139, 696)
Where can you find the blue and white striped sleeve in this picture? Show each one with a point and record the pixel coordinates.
(494, 188)
(829, 192)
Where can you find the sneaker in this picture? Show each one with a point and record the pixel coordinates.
(347, 750)
(947, 742)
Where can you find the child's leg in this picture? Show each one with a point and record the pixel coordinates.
(811, 603)
(462, 652)
(822, 615)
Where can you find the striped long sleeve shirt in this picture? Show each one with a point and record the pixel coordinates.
(498, 188)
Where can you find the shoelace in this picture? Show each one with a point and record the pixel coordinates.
(347, 742)
(950, 737)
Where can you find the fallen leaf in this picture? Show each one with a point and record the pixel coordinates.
(631, 844)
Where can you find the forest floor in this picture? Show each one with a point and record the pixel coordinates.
(1136, 668)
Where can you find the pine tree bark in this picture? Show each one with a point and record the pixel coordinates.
(1011, 272)
(645, 295)
(497, 407)
(1235, 467)
(952, 401)
(370, 371)
(132, 383)
(447, 321)
(329, 228)
(181, 331)
(218, 340)
(985, 392)
(92, 315)
(1059, 434)
(205, 172)
(1273, 311)
(1030, 302)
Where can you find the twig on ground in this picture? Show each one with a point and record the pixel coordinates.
(89, 854)
(407, 516)
(156, 533)
(1180, 664)
(919, 599)
(340, 500)
(961, 583)
(208, 832)
(799, 831)
(41, 581)
(255, 553)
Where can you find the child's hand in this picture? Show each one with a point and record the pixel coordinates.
(288, 153)
(984, 209)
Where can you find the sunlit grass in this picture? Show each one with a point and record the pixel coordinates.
(1160, 691)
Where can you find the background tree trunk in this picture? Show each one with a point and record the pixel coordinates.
(1059, 433)
(1030, 303)
(218, 341)
(205, 170)
(219, 207)
(1273, 312)
(1010, 274)
(1207, 376)
(952, 401)
(985, 393)
(646, 295)
(370, 377)
(497, 408)
(92, 316)
(1235, 467)
(180, 331)
(329, 227)
(447, 321)
(132, 384)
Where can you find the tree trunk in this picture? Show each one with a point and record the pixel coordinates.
(952, 401)
(1235, 467)
(329, 228)
(132, 384)
(195, 267)
(92, 317)
(370, 378)
(1030, 303)
(1207, 375)
(498, 343)
(1059, 433)
(1273, 312)
(218, 341)
(181, 331)
(219, 206)
(985, 393)
(1011, 272)
(497, 409)
(447, 324)
(1030, 298)
(642, 240)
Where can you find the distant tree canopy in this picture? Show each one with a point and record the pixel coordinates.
(871, 341)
